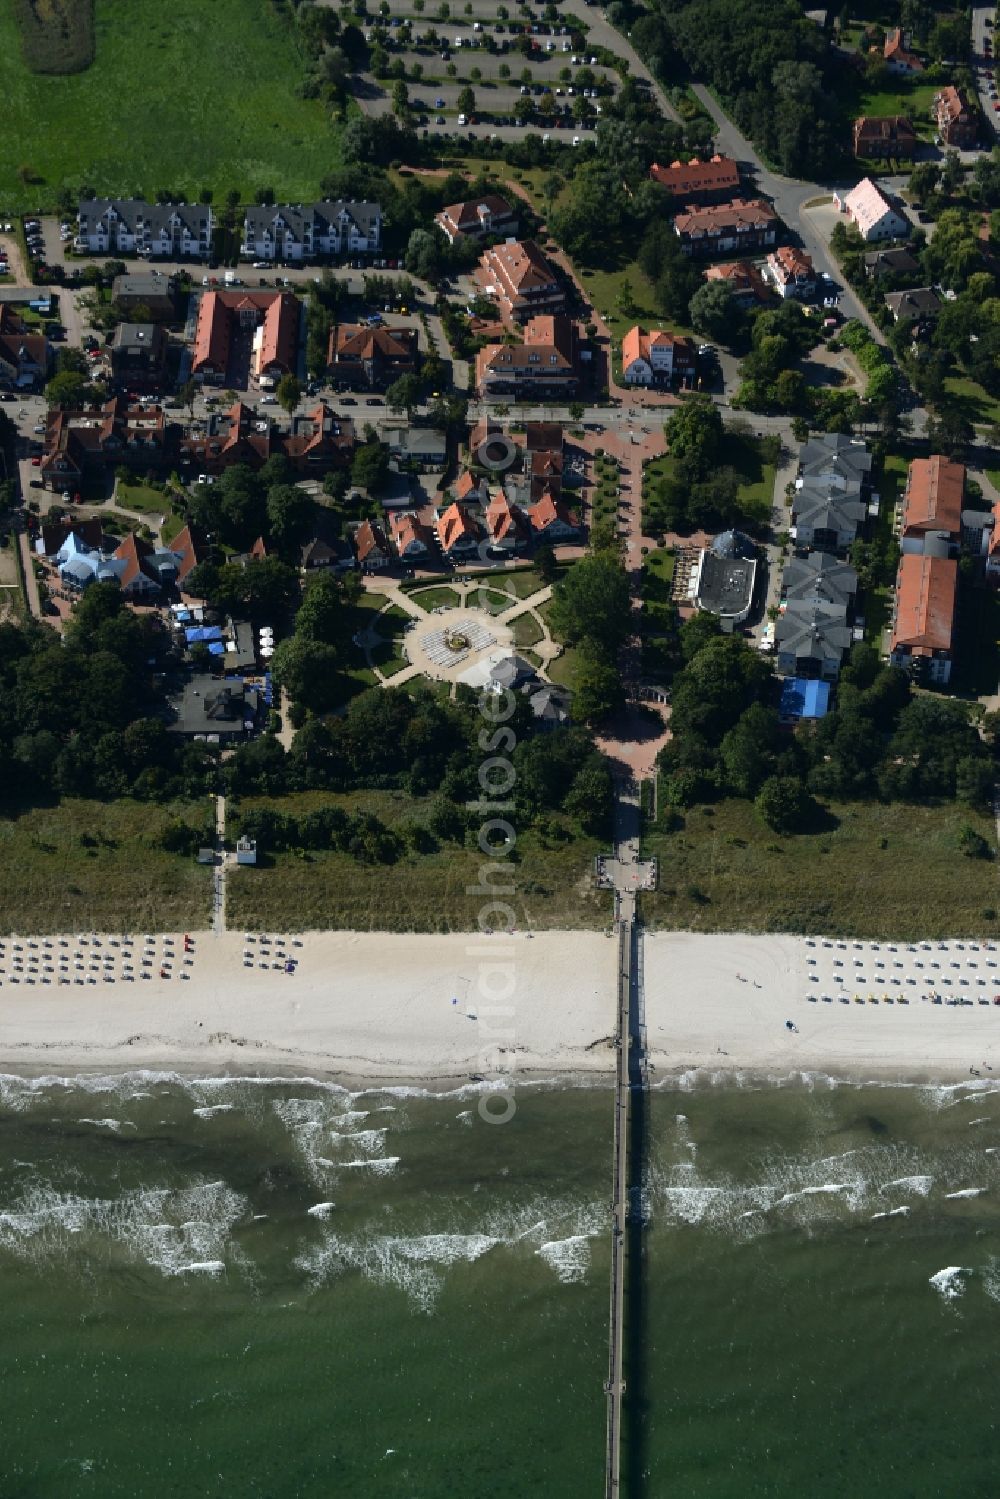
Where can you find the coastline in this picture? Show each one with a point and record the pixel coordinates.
(369, 1010)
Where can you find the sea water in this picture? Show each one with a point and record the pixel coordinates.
(240, 1287)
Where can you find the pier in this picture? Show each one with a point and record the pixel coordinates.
(626, 875)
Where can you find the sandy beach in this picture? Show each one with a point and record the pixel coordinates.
(437, 1010)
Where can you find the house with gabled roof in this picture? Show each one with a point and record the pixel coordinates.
(552, 521)
(932, 502)
(811, 639)
(86, 439)
(275, 318)
(898, 57)
(506, 526)
(24, 356)
(131, 226)
(713, 181)
(370, 358)
(956, 120)
(517, 276)
(372, 547)
(412, 539)
(297, 232)
(719, 229)
(477, 218)
(458, 533)
(743, 279)
(873, 212)
(546, 363)
(657, 358)
(884, 137)
(923, 626)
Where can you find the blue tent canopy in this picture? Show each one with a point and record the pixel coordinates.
(202, 632)
(216, 648)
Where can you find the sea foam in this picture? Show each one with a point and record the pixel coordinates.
(950, 1282)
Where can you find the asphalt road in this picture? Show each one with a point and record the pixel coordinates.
(981, 63)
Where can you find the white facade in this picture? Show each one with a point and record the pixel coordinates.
(291, 232)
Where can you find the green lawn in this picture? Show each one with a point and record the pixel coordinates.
(426, 893)
(146, 501)
(50, 881)
(727, 872)
(181, 98)
(526, 630)
(975, 404)
(434, 598)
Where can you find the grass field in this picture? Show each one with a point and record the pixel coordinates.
(50, 881)
(975, 403)
(553, 885)
(880, 871)
(151, 504)
(435, 598)
(182, 98)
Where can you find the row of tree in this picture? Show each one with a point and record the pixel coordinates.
(881, 740)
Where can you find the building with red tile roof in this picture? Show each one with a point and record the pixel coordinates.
(370, 358)
(881, 137)
(957, 122)
(923, 628)
(932, 502)
(275, 317)
(414, 541)
(553, 521)
(792, 273)
(741, 225)
(993, 550)
(24, 356)
(657, 358)
(457, 532)
(517, 276)
(476, 218)
(898, 57)
(743, 279)
(372, 547)
(547, 362)
(187, 551)
(506, 526)
(713, 181)
(95, 437)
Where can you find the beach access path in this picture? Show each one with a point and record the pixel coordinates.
(372, 1007)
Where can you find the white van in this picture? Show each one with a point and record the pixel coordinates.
(462, 120)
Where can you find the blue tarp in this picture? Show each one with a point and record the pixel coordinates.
(216, 648)
(202, 632)
(804, 698)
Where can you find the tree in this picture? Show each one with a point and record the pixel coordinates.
(597, 687)
(405, 393)
(694, 433)
(783, 803)
(591, 603)
(747, 752)
(69, 389)
(289, 393)
(466, 101)
(309, 672)
(370, 467)
(400, 97)
(545, 563)
(425, 254)
(715, 313)
(290, 513)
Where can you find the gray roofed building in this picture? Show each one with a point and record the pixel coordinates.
(511, 673)
(302, 231)
(828, 521)
(820, 578)
(726, 573)
(133, 226)
(422, 446)
(811, 640)
(920, 303)
(154, 293)
(890, 262)
(550, 706)
(834, 456)
(210, 707)
(139, 355)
